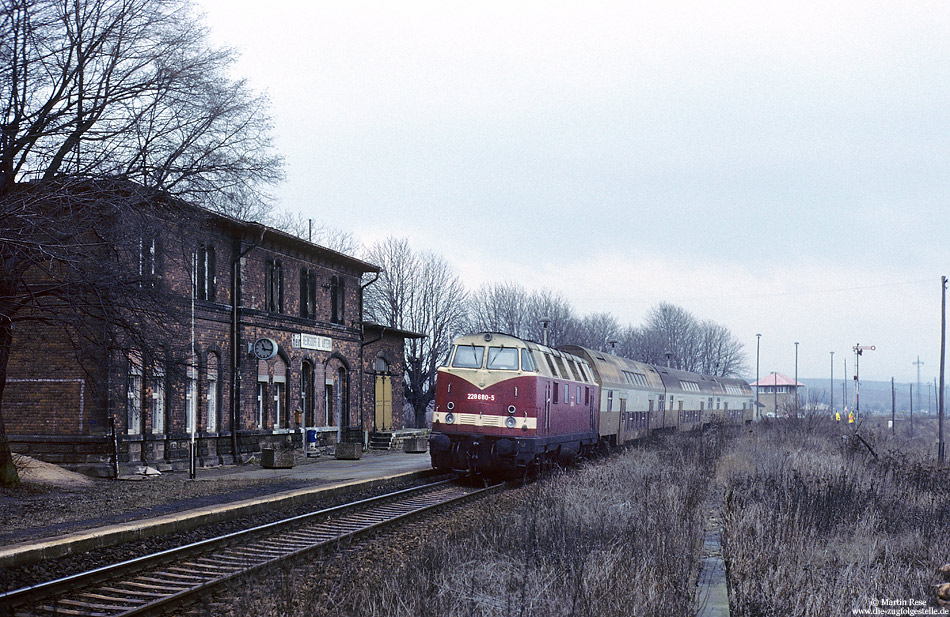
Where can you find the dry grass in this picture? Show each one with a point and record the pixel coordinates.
(814, 524)
(612, 538)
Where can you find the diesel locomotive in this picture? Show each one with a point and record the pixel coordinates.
(504, 404)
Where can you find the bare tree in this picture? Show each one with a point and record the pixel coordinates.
(720, 352)
(129, 89)
(318, 232)
(550, 312)
(417, 292)
(669, 337)
(597, 331)
(499, 307)
(99, 99)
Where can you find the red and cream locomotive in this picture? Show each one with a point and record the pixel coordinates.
(503, 404)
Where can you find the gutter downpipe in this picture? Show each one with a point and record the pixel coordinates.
(364, 343)
(236, 339)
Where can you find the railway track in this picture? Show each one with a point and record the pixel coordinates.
(158, 583)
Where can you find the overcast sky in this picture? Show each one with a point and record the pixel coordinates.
(781, 168)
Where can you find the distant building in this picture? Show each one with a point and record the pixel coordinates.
(777, 395)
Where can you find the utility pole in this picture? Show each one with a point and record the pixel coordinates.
(832, 391)
(844, 383)
(758, 339)
(918, 363)
(943, 350)
(912, 406)
(796, 378)
(893, 408)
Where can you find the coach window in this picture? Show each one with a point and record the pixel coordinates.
(468, 356)
(557, 389)
(578, 399)
(503, 358)
(567, 393)
(550, 362)
(610, 400)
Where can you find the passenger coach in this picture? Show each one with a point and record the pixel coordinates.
(637, 399)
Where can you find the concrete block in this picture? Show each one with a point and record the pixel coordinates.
(349, 451)
(415, 445)
(277, 459)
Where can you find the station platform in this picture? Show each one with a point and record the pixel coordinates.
(330, 476)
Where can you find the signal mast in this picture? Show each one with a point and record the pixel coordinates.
(858, 350)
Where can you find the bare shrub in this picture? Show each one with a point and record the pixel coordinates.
(816, 524)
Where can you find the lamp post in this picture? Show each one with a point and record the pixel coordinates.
(796, 378)
(758, 338)
(775, 394)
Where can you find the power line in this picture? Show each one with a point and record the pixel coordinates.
(782, 294)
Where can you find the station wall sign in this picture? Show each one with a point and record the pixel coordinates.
(312, 341)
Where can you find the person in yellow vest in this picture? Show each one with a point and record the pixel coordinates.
(837, 416)
(851, 417)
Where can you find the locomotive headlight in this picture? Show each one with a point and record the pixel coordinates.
(512, 409)
(450, 405)
(510, 422)
(449, 418)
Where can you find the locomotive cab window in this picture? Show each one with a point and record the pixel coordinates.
(468, 356)
(503, 358)
(527, 361)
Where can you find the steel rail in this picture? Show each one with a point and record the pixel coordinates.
(175, 577)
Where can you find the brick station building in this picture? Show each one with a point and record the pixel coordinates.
(270, 351)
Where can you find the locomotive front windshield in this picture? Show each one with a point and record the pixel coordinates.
(499, 358)
(503, 358)
(468, 356)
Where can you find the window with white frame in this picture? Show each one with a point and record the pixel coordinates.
(191, 397)
(134, 408)
(211, 421)
(158, 399)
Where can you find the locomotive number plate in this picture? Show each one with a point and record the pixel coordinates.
(481, 397)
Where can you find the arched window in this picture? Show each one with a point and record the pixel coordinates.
(191, 396)
(307, 393)
(263, 377)
(134, 388)
(211, 381)
(158, 395)
(281, 411)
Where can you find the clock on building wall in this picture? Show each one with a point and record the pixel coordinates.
(264, 348)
